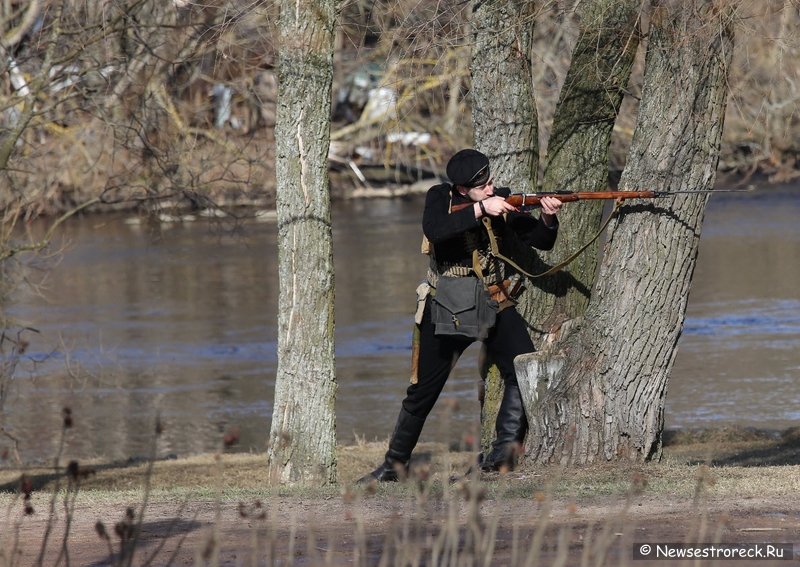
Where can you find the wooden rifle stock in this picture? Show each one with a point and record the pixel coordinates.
(534, 199)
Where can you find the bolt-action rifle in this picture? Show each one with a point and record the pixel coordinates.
(531, 200)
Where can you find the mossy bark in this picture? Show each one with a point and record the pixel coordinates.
(302, 446)
(607, 402)
(577, 154)
(491, 396)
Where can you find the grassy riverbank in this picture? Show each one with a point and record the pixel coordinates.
(728, 485)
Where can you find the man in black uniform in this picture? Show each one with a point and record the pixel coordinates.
(457, 222)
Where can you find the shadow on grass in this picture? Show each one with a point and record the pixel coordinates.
(40, 480)
(736, 446)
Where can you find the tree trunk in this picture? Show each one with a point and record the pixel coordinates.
(503, 106)
(505, 123)
(577, 155)
(607, 402)
(302, 445)
(578, 148)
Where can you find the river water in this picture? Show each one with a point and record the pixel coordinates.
(139, 319)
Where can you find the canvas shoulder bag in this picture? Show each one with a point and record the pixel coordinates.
(462, 307)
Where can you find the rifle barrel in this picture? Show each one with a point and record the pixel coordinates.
(523, 200)
(533, 199)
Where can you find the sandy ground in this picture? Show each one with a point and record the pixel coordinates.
(311, 532)
(218, 510)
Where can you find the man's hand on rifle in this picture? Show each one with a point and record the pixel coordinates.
(550, 208)
(496, 206)
(493, 207)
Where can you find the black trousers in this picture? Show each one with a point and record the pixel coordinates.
(438, 355)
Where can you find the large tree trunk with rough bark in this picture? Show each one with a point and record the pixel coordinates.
(577, 154)
(504, 117)
(606, 401)
(503, 107)
(302, 445)
(505, 125)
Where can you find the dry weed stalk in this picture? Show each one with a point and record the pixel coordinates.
(127, 531)
(436, 524)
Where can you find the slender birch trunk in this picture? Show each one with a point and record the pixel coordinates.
(302, 445)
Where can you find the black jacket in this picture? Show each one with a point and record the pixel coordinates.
(445, 230)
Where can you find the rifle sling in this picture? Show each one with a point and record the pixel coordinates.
(487, 222)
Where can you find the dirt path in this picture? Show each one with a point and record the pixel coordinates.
(731, 489)
(301, 531)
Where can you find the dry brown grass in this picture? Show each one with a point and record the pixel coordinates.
(741, 461)
(219, 510)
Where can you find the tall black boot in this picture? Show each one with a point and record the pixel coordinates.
(511, 427)
(404, 439)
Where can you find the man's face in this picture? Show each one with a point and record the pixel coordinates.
(481, 192)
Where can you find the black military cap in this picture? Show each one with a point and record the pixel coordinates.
(468, 168)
